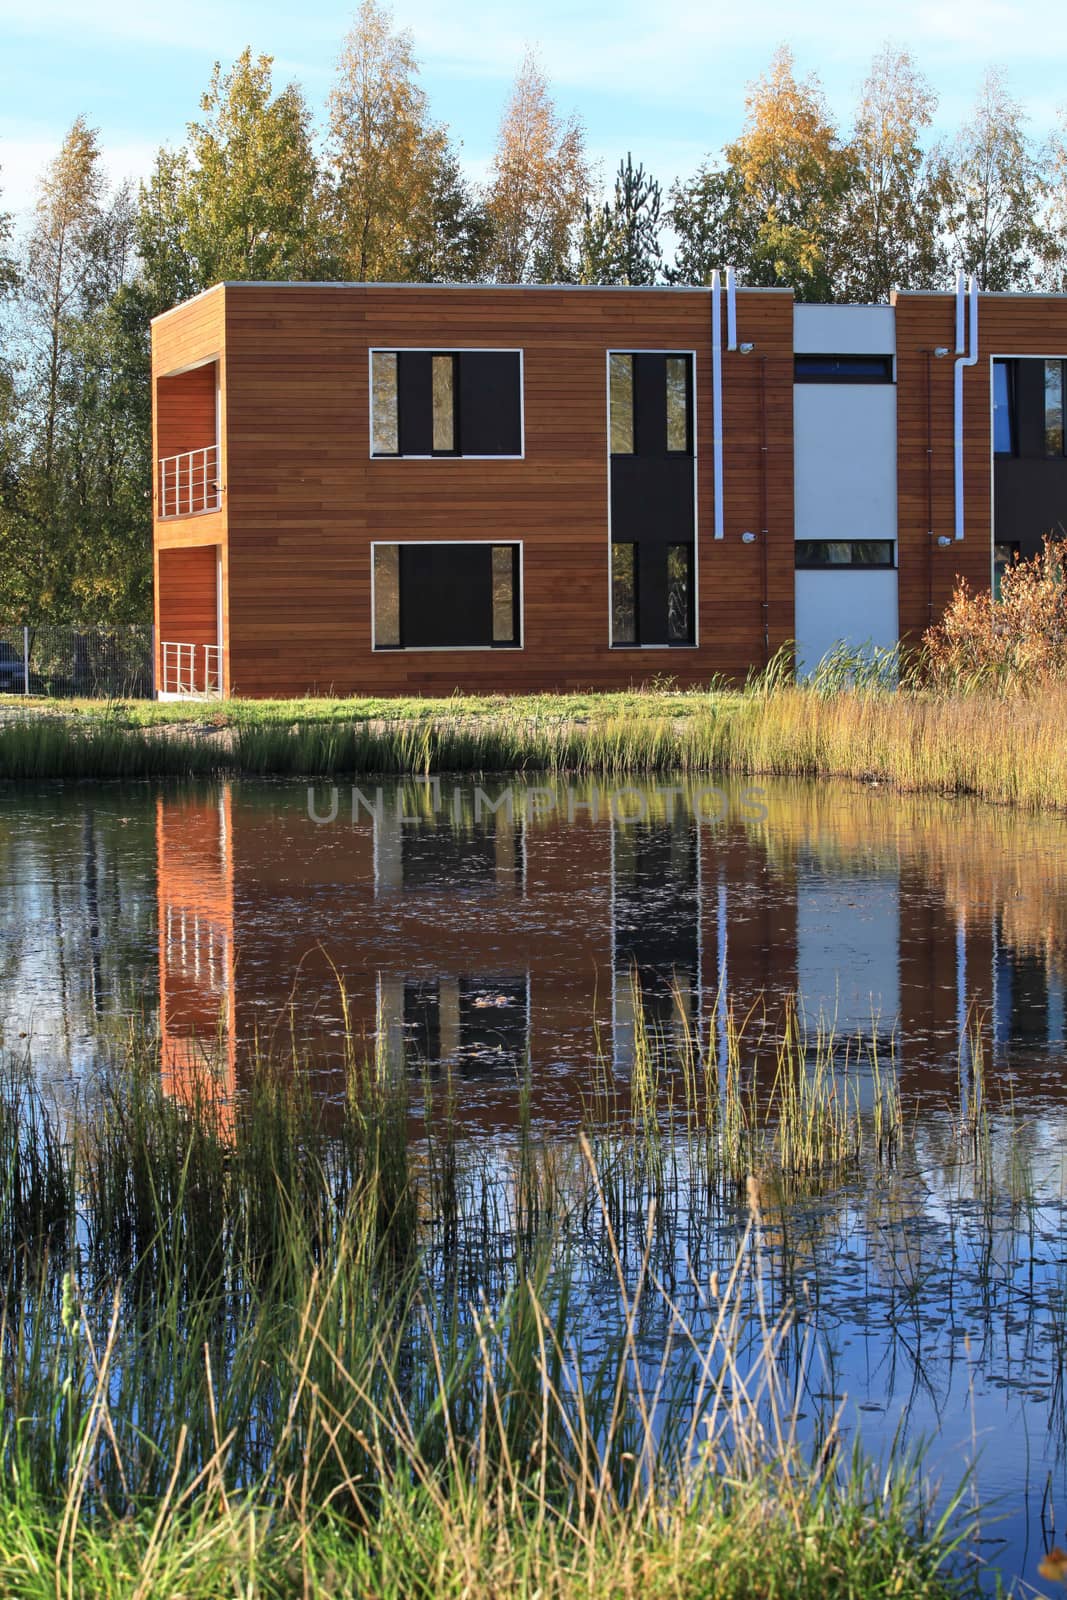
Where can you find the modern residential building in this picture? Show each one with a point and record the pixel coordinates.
(407, 488)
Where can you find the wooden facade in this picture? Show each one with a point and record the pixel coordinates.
(278, 376)
(303, 500)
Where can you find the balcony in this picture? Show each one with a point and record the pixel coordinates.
(189, 483)
(190, 671)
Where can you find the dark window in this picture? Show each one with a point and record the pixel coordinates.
(844, 553)
(652, 593)
(679, 593)
(650, 403)
(446, 596)
(1003, 408)
(843, 369)
(650, 400)
(446, 403)
(624, 594)
(1054, 408)
(476, 1023)
(621, 402)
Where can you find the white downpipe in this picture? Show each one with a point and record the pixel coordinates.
(731, 309)
(962, 361)
(716, 391)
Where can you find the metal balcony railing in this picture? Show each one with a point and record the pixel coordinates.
(191, 669)
(189, 483)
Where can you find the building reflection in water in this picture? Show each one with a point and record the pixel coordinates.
(484, 929)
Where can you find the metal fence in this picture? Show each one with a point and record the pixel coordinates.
(97, 663)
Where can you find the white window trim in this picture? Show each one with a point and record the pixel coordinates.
(635, 350)
(449, 649)
(446, 350)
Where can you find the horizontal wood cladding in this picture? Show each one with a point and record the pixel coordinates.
(1007, 325)
(185, 411)
(305, 501)
(187, 595)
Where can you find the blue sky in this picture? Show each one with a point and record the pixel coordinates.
(667, 82)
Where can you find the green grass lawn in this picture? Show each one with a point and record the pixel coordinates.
(549, 708)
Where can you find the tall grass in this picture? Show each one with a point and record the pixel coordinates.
(285, 1346)
(844, 723)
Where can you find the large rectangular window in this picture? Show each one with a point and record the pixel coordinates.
(446, 403)
(447, 596)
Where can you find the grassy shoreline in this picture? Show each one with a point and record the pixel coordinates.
(1009, 750)
(279, 1347)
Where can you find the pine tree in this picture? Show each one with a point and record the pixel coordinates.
(620, 242)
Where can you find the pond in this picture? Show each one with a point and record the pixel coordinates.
(468, 929)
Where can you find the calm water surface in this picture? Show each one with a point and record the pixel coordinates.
(478, 928)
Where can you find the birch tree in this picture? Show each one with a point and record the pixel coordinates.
(892, 223)
(540, 180)
(998, 193)
(241, 199)
(399, 206)
(773, 206)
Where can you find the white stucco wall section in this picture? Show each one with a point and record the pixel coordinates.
(844, 330)
(851, 606)
(845, 460)
(845, 481)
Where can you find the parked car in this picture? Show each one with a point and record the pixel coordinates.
(12, 671)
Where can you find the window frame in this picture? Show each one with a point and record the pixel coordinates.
(452, 649)
(693, 457)
(889, 363)
(453, 350)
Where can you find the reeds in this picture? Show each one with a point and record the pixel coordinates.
(844, 723)
(304, 1346)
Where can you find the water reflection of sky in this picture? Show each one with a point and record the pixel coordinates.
(481, 927)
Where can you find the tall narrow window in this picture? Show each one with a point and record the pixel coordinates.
(678, 403)
(623, 594)
(621, 402)
(386, 596)
(505, 593)
(385, 421)
(444, 405)
(1003, 417)
(679, 591)
(1054, 408)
